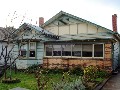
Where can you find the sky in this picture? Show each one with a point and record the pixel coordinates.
(16, 12)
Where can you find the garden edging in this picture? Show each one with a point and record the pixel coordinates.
(100, 86)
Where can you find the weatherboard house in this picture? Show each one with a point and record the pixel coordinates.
(30, 45)
(68, 41)
(81, 42)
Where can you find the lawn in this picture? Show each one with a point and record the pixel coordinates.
(29, 81)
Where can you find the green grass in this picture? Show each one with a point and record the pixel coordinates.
(28, 81)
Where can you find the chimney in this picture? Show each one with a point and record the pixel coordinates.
(41, 21)
(114, 22)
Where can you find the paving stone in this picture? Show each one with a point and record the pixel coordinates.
(18, 88)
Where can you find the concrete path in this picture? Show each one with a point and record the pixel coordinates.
(113, 83)
(18, 88)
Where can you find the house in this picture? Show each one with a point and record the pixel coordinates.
(81, 42)
(6, 35)
(29, 46)
(6, 45)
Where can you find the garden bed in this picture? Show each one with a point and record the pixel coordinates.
(53, 79)
(28, 81)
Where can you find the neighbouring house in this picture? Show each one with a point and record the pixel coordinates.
(30, 45)
(6, 45)
(80, 42)
(6, 35)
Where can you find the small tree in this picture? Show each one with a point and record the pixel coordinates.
(8, 41)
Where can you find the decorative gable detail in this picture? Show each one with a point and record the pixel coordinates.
(28, 31)
(63, 18)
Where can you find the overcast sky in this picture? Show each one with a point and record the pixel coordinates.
(96, 11)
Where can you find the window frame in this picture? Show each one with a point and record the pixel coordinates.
(72, 51)
(46, 49)
(81, 51)
(53, 50)
(94, 50)
(32, 50)
(20, 46)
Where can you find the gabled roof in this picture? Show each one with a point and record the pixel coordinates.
(39, 29)
(74, 17)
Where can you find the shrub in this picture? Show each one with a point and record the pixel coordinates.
(67, 84)
(32, 68)
(55, 71)
(101, 74)
(93, 72)
(90, 73)
(75, 85)
(42, 79)
(77, 70)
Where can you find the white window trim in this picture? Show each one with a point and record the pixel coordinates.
(31, 49)
(23, 57)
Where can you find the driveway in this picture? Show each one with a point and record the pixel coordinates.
(113, 83)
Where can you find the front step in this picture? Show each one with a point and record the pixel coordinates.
(115, 72)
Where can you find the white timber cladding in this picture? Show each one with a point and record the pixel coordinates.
(82, 28)
(64, 30)
(21, 64)
(101, 30)
(24, 63)
(74, 29)
(92, 29)
(53, 29)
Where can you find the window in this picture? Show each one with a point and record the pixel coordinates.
(76, 50)
(66, 50)
(32, 49)
(87, 50)
(23, 50)
(98, 50)
(48, 50)
(57, 50)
